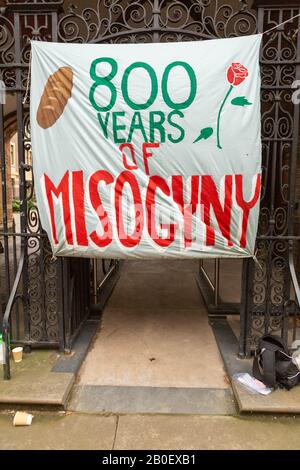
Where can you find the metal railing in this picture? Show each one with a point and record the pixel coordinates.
(210, 290)
(104, 284)
(7, 318)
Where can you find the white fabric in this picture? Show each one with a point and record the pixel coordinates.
(84, 139)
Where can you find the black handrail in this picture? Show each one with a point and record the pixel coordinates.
(6, 318)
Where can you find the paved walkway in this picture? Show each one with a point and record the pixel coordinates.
(155, 332)
(155, 349)
(76, 431)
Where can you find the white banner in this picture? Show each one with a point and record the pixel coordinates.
(147, 150)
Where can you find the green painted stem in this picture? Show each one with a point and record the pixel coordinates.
(219, 116)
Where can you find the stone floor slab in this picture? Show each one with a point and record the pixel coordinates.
(207, 432)
(32, 381)
(279, 401)
(59, 432)
(122, 400)
(155, 332)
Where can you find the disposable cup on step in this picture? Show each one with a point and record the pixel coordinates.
(22, 418)
(17, 354)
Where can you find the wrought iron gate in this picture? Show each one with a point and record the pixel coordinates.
(40, 293)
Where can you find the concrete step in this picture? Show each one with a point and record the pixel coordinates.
(44, 378)
(278, 402)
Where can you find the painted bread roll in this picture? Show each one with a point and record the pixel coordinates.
(57, 91)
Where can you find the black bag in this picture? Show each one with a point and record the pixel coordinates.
(273, 365)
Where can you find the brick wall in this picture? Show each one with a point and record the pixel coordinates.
(8, 184)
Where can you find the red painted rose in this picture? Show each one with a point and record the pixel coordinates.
(236, 73)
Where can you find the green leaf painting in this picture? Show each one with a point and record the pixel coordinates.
(204, 134)
(240, 101)
(236, 74)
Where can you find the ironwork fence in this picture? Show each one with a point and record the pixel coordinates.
(271, 292)
(45, 300)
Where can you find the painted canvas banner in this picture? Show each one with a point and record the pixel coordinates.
(147, 150)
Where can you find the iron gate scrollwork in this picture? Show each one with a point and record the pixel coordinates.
(271, 291)
(30, 297)
(44, 301)
(155, 21)
(40, 293)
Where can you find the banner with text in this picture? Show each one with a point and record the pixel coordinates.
(147, 150)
